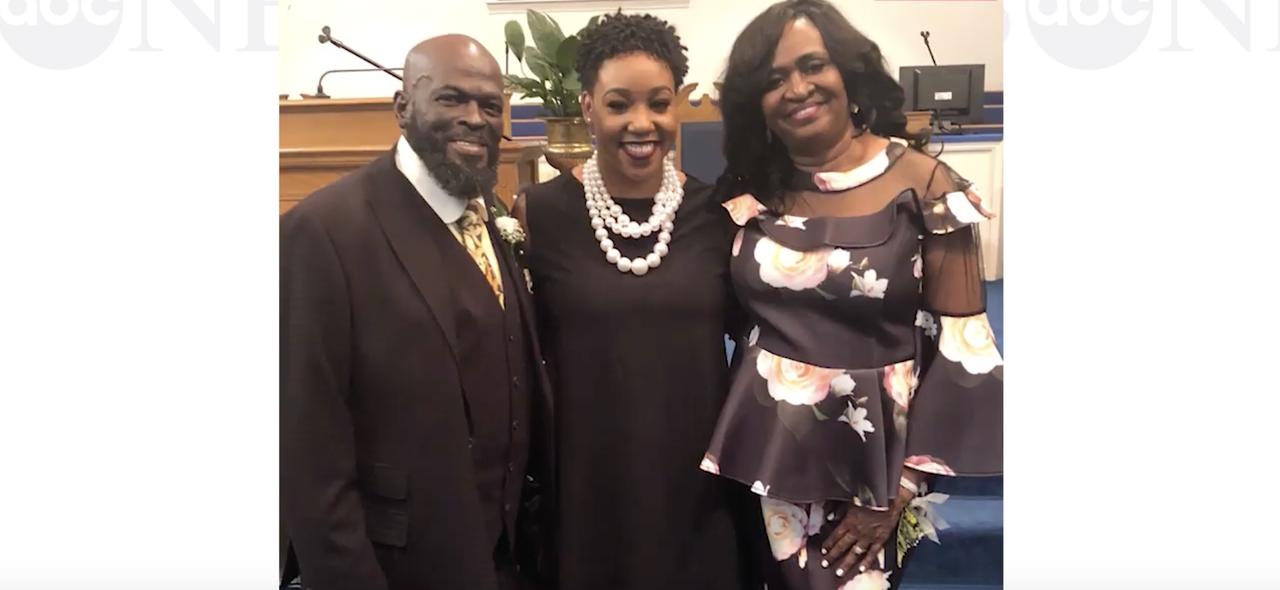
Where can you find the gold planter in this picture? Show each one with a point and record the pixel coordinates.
(568, 142)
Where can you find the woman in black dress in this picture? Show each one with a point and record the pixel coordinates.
(868, 365)
(629, 265)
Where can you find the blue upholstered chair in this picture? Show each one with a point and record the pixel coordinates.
(698, 149)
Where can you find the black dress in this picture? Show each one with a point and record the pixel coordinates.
(640, 375)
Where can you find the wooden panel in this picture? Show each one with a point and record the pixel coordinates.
(918, 121)
(296, 184)
(518, 169)
(337, 122)
(323, 139)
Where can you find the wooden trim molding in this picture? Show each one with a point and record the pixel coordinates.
(519, 6)
(312, 158)
(704, 111)
(346, 105)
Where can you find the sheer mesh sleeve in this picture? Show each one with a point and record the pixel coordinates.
(952, 255)
(953, 274)
(956, 423)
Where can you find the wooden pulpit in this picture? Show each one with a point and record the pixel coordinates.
(322, 140)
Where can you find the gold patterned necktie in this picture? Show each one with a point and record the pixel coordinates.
(471, 226)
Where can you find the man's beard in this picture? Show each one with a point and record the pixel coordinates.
(431, 142)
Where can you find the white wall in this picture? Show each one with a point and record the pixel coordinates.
(961, 32)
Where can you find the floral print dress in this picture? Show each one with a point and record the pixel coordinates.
(867, 352)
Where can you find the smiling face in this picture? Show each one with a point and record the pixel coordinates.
(633, 116)
(452, 117)
(805, 104)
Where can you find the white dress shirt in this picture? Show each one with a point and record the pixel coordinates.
(448, 207)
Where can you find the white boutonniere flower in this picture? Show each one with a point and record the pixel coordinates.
(510, 230)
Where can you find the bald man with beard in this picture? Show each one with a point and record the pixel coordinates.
(414, 404)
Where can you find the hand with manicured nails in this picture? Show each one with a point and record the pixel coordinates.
(861, 535)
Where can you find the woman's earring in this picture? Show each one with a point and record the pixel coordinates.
(860, 122)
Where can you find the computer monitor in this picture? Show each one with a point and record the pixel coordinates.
(953, 93)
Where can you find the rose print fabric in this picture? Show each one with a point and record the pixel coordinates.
(868, 350)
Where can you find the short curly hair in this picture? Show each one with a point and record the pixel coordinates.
(622, 34)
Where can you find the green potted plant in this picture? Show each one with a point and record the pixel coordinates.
(551, 61)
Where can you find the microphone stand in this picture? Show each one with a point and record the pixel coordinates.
(320, 83)
(325, 37)
(935, 120)
(924, 35)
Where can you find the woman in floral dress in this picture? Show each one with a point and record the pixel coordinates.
(868, 364)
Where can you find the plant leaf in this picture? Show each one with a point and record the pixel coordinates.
(527, 86)
(572, 84)
(515, 39)
(540, 67)
(591, 24)
(567, 54)
(546, 33)
(515, 80)
(554, 104)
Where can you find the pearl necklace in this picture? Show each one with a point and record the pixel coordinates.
(607, 214)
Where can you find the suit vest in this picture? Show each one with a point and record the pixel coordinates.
(495, 364)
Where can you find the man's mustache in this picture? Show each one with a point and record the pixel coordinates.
(482, 139)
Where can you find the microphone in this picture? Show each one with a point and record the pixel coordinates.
(326, 37)
(925, 35)
(320, 83)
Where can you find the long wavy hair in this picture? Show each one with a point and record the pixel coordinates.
(762, 167)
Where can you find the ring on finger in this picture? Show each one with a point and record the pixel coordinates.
(858, 550)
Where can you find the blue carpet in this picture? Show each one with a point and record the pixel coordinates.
(971, 550)
(972, 486)
(995, 311)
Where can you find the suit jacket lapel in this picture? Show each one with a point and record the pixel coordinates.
(409, 223)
